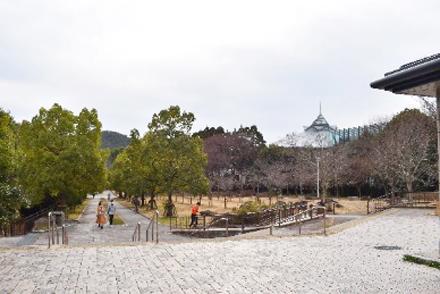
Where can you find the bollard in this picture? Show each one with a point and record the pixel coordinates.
(279, 217)
(225, 202)
(204, 222)
(325, 223)
(300, 221)
(271, 222)
(48, 231)
(63, 233)
(157, 226)
(227, 227)
(152, 231)
(53, 233)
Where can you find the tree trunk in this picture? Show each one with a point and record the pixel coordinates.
(169, 208)
(358, 188)
(152, 202)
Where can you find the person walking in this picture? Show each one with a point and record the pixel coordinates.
(100, 215)
(194, 212)
(108, 197)
(136, 204)
(111, 212)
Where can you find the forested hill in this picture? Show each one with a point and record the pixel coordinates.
(112, 140)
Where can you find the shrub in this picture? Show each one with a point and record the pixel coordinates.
(248, 206)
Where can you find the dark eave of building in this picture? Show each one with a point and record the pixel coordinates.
(421, 78)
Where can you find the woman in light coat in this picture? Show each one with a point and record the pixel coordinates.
(100, 213)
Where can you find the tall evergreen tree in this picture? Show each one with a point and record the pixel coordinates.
(61, 157)
(10, 198)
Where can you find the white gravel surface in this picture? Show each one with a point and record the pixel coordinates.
(347, 262)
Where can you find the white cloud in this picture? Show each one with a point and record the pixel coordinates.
(229, 62)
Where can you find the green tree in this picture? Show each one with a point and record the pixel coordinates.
(10, 198)
(180, 159)
(208, 132)
(61, 158)
(166, 160)
(126, 172)
(252, 134)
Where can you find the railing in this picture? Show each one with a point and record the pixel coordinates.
(151, 224)
(277, 216)
(137, 233)
(378, 204)
(419, 199)
(390, 200)
(266, 220)
(23, 226)
(54, 228)
(308, 214)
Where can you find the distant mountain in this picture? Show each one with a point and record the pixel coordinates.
(112, 140)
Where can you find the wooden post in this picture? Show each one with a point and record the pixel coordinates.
(227, 227)
(279, 216)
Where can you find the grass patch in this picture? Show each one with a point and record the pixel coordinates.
(41, 227)
(417, 260)
(126, 203)
(76, 212)
(118, 221)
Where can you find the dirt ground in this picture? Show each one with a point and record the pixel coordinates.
(184, 203)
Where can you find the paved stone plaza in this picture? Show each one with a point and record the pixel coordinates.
(347, 262)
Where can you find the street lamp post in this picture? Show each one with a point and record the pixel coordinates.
(317, 177)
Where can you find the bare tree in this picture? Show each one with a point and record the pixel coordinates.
(403, 152)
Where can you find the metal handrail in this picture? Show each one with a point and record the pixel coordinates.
(151, 224)
(307, 211)
(300, 216)
(137, 231)
(53, 229)
(214, 222)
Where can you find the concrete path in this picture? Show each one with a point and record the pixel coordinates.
(88, 233)
(352, 261)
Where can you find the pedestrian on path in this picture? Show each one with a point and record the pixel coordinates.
(108, 197)
(194, 212)
(111, 212)
(136, 204)
(100, 215)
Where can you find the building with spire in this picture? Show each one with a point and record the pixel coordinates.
(319, 134)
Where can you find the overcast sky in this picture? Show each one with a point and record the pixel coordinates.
(231, 63)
